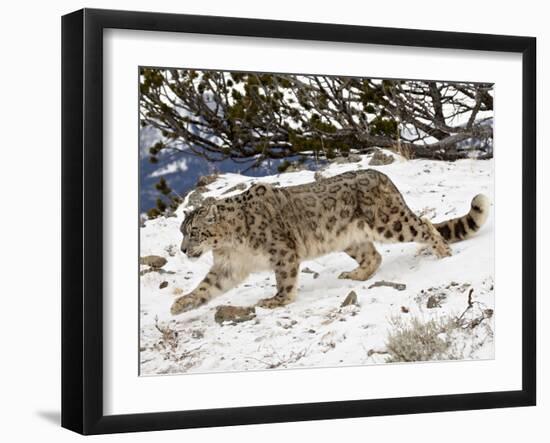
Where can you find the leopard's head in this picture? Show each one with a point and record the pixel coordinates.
(201, 230)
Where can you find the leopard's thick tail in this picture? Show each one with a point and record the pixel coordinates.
(461, 228)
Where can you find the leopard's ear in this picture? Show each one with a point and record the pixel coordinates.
(212, 214)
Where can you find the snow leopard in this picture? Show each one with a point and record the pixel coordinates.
(276, 228)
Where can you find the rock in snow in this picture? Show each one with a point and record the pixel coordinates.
(234, 314)
(351, 299)
(154, 261)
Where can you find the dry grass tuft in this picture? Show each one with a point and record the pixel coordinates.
(417, 340)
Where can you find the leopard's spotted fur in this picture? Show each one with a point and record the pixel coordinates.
(277, 228)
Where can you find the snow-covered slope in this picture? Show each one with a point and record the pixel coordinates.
(314, 330)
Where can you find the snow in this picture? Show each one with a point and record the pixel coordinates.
(314, 331)
(171, 168)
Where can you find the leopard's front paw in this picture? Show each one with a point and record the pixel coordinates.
(185, 303)
(359, 274)
(274, 302)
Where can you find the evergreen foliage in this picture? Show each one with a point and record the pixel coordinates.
(245, 116)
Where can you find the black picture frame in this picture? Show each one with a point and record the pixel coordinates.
(82, 220)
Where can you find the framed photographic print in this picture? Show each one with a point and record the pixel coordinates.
(270, 221)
